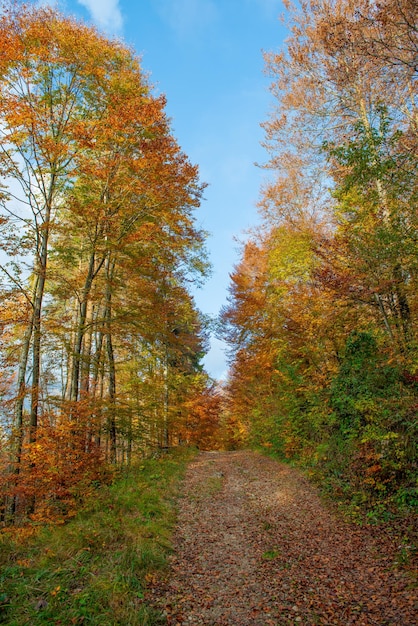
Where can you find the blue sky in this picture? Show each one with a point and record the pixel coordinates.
(206, 57)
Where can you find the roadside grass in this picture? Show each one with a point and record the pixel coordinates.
(94, 569)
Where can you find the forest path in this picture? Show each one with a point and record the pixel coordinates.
(254, 545)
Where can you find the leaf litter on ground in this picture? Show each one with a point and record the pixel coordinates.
(255, 545)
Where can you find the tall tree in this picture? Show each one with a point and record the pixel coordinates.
(103, 199)
(338, 247)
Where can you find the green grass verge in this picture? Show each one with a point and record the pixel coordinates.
(94, 569)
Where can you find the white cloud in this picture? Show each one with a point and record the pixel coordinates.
(105, 13)
(186, 17)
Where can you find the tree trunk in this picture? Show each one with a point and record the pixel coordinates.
(20, 400)
(81, 327)
(110, 266)
(86, 352)
(401, 311)
(40, 270)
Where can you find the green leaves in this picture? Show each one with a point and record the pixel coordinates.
(322, 320)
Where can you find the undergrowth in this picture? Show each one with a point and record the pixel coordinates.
(94, 569)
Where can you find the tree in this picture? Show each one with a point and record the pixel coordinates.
(105, 245)
(335, 266)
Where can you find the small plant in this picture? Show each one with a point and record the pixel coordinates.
(269, 555)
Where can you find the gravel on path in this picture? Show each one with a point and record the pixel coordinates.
(254, 545)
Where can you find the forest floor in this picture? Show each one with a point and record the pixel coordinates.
(255, 545)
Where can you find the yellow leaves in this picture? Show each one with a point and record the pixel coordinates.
(291, 256)
(21, 534)
(17, 115)
(151, 578)
(110, 198)
(55, 591)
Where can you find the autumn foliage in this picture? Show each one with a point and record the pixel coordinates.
(100, 339)
(323, 309)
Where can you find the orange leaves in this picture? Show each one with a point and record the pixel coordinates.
(58, 469)
(61, 71)
(106, 212)
(202, 424)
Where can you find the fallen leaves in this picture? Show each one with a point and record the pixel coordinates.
(262, 549)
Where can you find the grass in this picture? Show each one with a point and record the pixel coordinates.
(94, 570)
(207, 488)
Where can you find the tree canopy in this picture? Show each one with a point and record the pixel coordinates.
(322, 313)
(100, 338)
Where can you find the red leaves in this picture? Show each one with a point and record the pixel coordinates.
(58, 469)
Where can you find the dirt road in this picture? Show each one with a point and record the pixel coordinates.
(254, 545)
